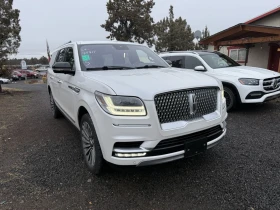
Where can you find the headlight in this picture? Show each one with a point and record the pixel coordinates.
(121, 105)
(245, 81)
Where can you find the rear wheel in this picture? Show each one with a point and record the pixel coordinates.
(90, 146)
(55, 111)
(230, 98)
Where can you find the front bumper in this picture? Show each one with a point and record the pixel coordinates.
(256, 94)
(145, 161)
(146, 129)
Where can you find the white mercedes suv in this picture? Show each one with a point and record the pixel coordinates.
(242, 84)
(131, 107)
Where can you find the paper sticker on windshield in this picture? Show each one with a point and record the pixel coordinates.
(85, 57)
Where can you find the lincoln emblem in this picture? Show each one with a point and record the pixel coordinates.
(192, 103)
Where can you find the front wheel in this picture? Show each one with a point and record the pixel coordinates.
(55, 111)
(90, 146)
(230, 98)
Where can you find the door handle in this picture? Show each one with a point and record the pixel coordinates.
(59, 81)
(75, 89)
(52, 77)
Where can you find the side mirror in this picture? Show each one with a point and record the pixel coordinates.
(63, 68)
(169, 62)
(199, 68)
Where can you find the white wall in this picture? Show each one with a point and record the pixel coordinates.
(258, 55)
(272, 20)
(222, 49)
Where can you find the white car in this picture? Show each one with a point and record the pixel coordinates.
(42, 70)
(242, 84)
(131, 107)
(4, 80)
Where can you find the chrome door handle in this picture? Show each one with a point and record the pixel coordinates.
(52, 77)
(59, 81)
(75, 89)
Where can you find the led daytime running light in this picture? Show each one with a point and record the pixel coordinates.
(123, 110)
(125, 155)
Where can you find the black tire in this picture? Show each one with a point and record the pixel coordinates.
(55, 111)
(230, 98)
(1, 82)
(91, 149)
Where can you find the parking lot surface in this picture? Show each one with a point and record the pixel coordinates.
(41, 165)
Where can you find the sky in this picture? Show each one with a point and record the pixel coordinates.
(60, 21)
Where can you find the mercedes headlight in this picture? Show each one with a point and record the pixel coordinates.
(121, 105)
(247, 81)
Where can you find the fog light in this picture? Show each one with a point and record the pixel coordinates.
(130, 154)
(255, 95)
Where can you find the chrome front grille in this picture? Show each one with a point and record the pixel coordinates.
(271, 84)
(185, 105)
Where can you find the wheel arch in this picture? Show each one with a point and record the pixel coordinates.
(234, 89)
(81, 111)
(83, 108)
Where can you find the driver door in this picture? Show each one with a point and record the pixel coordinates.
(68, 91)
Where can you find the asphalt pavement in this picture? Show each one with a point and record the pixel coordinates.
(41, 165)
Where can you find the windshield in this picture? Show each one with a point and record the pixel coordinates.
(216, 61)
(118, 57)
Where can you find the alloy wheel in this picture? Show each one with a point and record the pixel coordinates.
(88, 144)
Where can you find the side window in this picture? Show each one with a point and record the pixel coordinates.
(69, 56)
(177, 61)
(61, 56)
(53, 57)
(192, 62)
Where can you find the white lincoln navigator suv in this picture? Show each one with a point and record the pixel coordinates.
(242, 84)
(131, 107)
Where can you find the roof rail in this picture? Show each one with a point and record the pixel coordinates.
(65, 43)
(187, 51)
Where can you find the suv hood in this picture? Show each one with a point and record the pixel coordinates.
(247, 72)
(146, 83)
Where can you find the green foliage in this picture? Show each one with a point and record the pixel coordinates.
(9, 30)
(130, 20)
(205, 34)
(173, 34)
(32, 61)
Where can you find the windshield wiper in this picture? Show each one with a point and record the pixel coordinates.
(109, 68)
(150, 66)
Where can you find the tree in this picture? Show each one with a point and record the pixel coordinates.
(173, 34)
(205, 33)
(43, 60)
(9, 31)
(130, 20)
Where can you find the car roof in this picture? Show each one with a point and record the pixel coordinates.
(195, 52)
(104, 42)
(93, 42)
